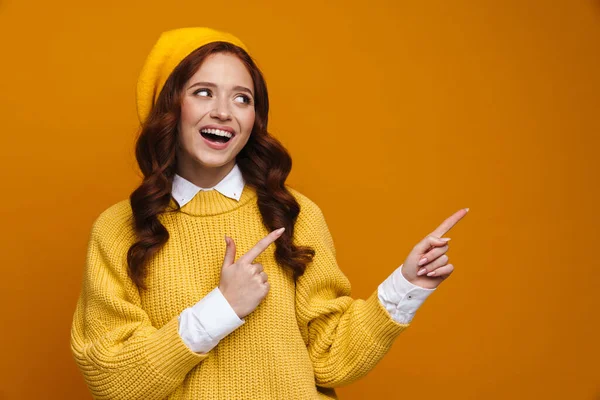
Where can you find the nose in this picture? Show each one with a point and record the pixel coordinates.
(221, 110)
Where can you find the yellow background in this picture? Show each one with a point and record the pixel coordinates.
(426, 106)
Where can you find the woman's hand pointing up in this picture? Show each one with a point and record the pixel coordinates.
(427, 264)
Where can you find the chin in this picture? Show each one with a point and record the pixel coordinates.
(210, 161)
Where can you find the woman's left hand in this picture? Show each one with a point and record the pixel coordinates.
(427, 264)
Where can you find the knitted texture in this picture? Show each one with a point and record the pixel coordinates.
(304, 339)
(170, 48)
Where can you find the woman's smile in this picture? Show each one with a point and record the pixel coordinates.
(217, 133)
(216, 139)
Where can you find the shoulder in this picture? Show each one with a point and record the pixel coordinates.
(114, 225)
(307, 206)
(111, 236)
(311, 219)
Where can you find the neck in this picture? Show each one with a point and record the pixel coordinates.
(211, 202)
(203, 176)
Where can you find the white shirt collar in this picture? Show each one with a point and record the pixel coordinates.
(231, 186)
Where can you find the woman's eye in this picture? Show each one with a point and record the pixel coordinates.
(246, 99)
(206, 92)
(202, 91)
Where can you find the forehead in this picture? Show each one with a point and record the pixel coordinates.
(223, 69)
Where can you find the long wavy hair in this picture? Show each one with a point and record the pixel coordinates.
(264, 162)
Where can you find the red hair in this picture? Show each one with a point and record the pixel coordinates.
(264, 162)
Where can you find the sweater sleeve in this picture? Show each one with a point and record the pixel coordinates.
(345, 337)
(118, 350)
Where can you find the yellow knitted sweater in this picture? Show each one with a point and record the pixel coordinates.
(304, 339)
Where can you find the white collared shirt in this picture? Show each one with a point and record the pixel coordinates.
(230, 186)
(204, 324)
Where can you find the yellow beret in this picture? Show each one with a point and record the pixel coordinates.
(172, 47)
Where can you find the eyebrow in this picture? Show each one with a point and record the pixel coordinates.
(210, 84)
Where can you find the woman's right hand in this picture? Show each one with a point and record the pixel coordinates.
(243, 283)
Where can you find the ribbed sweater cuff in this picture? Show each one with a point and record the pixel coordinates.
(168, 354)
(378, 323)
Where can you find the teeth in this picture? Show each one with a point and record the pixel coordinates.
(217, 132)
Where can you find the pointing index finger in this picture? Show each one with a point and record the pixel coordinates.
(260, 247)
(449, 222)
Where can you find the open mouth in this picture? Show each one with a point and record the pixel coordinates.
(216, 135)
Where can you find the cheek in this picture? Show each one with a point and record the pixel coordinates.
(248, 121)
(190, 113)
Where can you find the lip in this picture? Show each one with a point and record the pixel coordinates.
(221, 127)
(214, 145)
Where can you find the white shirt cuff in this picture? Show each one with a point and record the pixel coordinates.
(203, 325)
(400, 297)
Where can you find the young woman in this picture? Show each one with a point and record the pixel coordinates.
(216, 280)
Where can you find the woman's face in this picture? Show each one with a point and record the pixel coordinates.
(217, 113)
